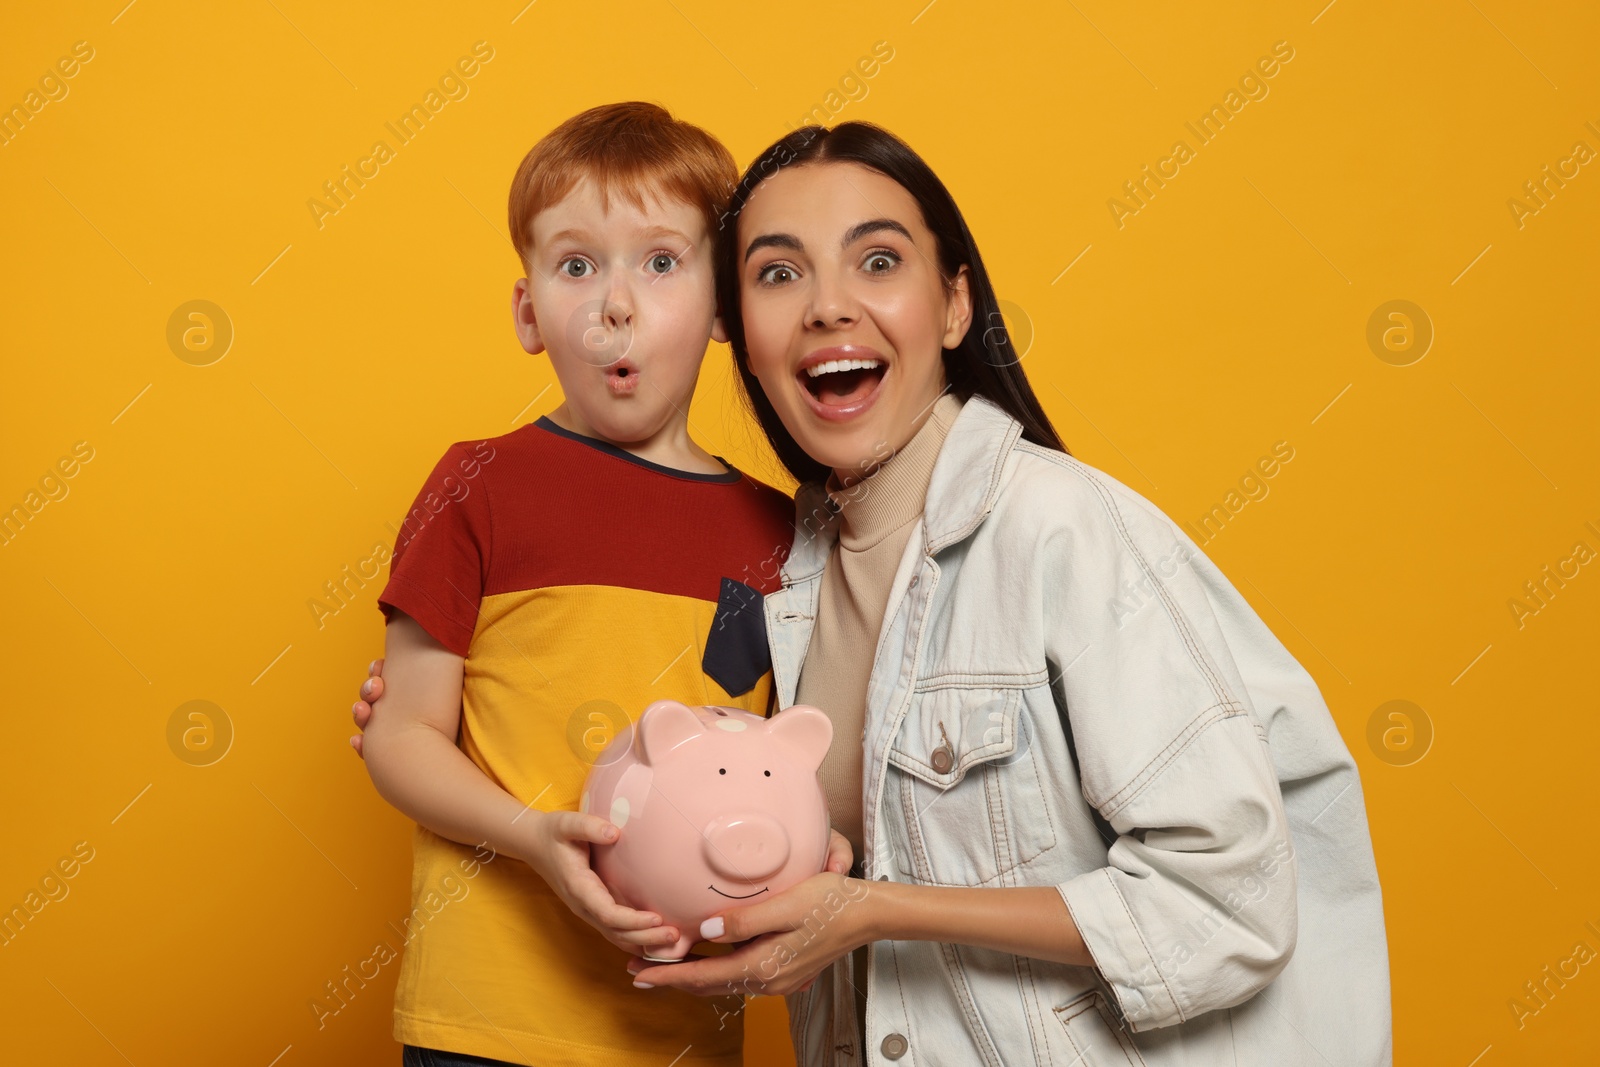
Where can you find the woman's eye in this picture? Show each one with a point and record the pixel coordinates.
(777, 274)
(574, 267)
(879, 262)
(662, 263)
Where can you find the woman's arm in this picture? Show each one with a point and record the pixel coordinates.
(795, 935)
(1024, 920)
(411, 754)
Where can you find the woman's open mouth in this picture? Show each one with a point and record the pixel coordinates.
(841, 383)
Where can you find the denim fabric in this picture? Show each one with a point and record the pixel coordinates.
(427, 1057)
(1117, 722)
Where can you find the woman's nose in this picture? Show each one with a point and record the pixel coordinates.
(832, 305)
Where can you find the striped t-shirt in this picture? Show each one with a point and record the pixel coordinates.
(580, 583)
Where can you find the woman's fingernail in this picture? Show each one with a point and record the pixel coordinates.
(366, 688)
(712, 928)
(372, 666)
(643, 985)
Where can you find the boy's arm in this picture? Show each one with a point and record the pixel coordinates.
(411, 754)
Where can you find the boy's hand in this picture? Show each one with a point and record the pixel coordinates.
(371, 692)
(559, 852)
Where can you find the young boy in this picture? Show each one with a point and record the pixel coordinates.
(546, 587)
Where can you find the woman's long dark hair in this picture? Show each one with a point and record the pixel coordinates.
(984, 364)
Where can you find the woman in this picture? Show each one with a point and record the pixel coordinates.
(1093, 793)
(1102, 815)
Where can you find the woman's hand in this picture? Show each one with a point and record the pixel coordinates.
(841, 857)
(792, 938)
(361, 711)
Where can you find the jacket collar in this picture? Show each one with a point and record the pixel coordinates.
(966, 480)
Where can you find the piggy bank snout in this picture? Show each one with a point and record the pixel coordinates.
(746, 847)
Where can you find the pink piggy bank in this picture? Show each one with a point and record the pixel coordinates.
(717, 807)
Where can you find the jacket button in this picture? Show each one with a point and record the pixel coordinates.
(943, 759)
(894, 1046)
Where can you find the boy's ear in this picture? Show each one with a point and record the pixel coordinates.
(523, 319)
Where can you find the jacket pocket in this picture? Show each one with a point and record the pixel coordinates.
(1094, 1035)
(966, 778)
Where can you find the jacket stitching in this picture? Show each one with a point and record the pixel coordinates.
(873, 788)
(1033, 755)
(908, 812)
(909, 761)
(1175, 748)
(899, 987)
(960, 679)
(1130, 1051)
(997, 825)
(1013, 432)
(1031, 1006)
(877, 655)
(957, 974)
(1174, 613)
(1146, 946)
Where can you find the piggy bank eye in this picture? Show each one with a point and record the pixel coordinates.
(722, 770)
(767, 773)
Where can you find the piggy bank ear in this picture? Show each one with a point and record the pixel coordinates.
(806, 730)
(665, 725)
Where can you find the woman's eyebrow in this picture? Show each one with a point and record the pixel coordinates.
(851, 236)
(871, 226)
(773, 240)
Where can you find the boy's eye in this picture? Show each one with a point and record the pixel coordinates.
(777, 274)
(575, 267)
(663, 262)
(878, 262)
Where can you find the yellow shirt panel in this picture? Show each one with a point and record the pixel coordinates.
(495, 964)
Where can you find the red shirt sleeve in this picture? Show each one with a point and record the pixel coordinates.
(441, 554)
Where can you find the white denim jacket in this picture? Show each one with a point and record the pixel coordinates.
(1067, 692)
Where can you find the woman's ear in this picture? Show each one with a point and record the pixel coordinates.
(958, 308)
(523, 319)
(719, 329)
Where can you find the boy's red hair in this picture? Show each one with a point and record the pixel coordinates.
(629, 148)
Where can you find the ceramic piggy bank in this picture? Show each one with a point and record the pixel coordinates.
(717, 807)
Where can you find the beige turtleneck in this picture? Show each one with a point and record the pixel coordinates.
(876, 519)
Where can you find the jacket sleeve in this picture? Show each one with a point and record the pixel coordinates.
(1195, 909)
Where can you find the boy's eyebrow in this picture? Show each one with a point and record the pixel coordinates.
(852, 235)
(666, 232)
(571, 233)
(579, 235)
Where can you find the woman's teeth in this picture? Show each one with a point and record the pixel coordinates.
(835, 365)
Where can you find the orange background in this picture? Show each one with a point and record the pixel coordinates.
(1229, 313)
